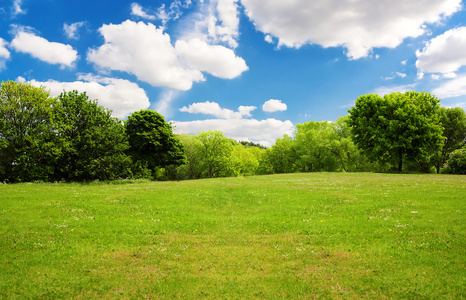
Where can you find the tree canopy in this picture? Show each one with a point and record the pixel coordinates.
(152, 141)
(397, 126)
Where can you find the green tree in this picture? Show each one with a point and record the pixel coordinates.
(27, 133)
(312, 146)
(397, 127)
(92, 143)
(456, 163)
(192, 168)
(453, 121)
(215, 153)
(280, 158)
(152, 141)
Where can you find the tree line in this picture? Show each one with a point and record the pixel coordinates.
(72, 138)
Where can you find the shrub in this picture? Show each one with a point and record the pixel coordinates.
(456, 163)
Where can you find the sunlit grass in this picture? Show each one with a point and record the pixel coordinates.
(320, 235)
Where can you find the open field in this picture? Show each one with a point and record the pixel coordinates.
(315, 235)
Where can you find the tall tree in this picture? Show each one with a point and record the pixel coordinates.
(453, 121)
(92, 142)
(215, 153)
(26, 132)
(397, 126)
(152, 141)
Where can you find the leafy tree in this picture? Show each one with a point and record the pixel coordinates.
(92, 143)
(397, 126)
(453, 121)
(456, 163)
(280, 158)
(246, 159)
(26, 132)
(311, 144)
(215, 153)
(192, 168)
(152, 141)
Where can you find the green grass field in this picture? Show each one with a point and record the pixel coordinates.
(301, 236)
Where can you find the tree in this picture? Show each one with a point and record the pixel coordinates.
(312, 147)
(27, 132)
(453, 121)
(152, 141)
(215, 152)
(92, 143)
(280, 158)
(456, 163)
(192, 168)
(397, 127)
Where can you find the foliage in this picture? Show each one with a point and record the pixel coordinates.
(92, 142)
(280, 158)
(456, 163)
(152, 141)
(214, 152)
(27, 132)
(453, 121)
(397, 127)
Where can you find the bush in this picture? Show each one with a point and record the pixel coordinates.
(456, 163)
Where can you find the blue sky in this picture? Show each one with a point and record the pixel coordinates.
(250, 68)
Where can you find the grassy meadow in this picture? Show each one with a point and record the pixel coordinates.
(300, 236)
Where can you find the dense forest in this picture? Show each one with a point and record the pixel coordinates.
(72, 138)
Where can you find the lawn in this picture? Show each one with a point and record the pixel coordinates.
(301, 236)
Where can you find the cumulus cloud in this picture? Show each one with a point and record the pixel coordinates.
(445, 53)
(137, 10)
(359, 26)
(4, 53)
(214, 59)
(213, 108)
(452, 88)
(274, 105)
(228, 16)
(121, 96)
(215, 22)
(145, 51)
(264, 132)
(71, 30)
(40, 48)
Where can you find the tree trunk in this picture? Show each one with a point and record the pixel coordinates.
(400, 163)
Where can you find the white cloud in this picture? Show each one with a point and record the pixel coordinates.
(40, 48)
(213, 108)
(404, 62)
(445, 53)
(163, 105)
(268, 38)
(136, 10)
(4, 53)
(16, 9)
(385, 90)
(215, 22)
(435, 77)
(121, 96)
(452, 88)
(214, 59)
(359, 26)
(402, 75)
(228, 16)
(274, 105)
(264, 132)
(71, 30)
(145, 51)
